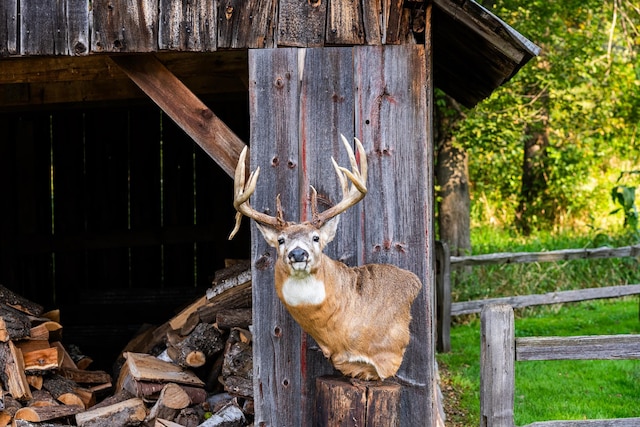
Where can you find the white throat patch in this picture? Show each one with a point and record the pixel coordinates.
(303, 291)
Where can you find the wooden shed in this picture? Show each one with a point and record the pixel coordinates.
(121, 123)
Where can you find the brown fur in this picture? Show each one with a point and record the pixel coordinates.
(362, 325)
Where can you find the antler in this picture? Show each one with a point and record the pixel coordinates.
(242, 191)
(350, 196)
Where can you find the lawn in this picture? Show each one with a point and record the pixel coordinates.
(547, 390)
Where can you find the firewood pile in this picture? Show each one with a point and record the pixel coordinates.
(193, 370)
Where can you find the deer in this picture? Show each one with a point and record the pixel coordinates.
(359, 316)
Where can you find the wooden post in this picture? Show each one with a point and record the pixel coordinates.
(443, 297)
(341, 402)
(497, 363)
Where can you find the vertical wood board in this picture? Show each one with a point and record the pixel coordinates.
(124, 26)
(9, 21)
(379, 95)
(301, 23)
(274, 111)
(391, 111)
(246, 23)
(188, 25)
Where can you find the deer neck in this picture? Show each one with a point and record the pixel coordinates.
(301, 289)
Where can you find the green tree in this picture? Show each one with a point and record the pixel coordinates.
(577, 105)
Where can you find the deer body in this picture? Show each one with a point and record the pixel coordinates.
(359, 316)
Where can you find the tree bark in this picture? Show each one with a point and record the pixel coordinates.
(534, 171)
(452, 175)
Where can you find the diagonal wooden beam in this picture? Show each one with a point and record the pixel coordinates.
(179, 103)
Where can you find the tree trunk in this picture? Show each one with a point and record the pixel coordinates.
(534, 173)
(452, 176)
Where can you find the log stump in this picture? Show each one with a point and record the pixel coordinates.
(342, 401)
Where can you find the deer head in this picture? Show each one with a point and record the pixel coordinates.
(358, 316)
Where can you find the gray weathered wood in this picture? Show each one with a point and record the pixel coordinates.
(9, 21)
(296, 119)
(301, 23)
(54, 27)
(468, 307)
(389, 119)
(443, 298)
(561, 255)
(247, 23)
(578, 347)
(124, 26)
(273, 107)
(614, 422)
(188, 25)
(497, 366)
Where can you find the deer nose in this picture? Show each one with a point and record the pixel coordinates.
(298, 255)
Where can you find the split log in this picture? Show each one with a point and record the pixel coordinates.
(81, 360)
(13, 376)
(366, 403)
(10, 407)
(165, 423)
(42, 398)
(16, 301)
(237, 368)
(46, 413)
(39, 361)
(128, 412)
(188, 417)
(81, 376)
(68, 392)
(239, 318)
(50, 331)
(144, 375)
(172, 399)
(194, 350)
(14, 324)
(66, 362)
(25, 423)
(119, 396)
(229, 416)
(35, 381)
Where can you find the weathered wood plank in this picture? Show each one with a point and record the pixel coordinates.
(175, 99)
(443, 298)
(124, 26)
(604, 347)
(344, 23)
(390, 120)
(301, 23)
(468, 307)
(274, 93)
(246, 23)
(560, 255)
(326, 110)
(188, 25)
(497, 366)
(613, 422)
(9, 21)
(371, 22)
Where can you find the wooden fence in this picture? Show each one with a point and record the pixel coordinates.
(500, 350)
(446, 308)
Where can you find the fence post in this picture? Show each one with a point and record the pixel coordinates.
(497, 363)
(443, 297)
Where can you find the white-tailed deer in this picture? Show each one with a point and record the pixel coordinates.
(358, 316)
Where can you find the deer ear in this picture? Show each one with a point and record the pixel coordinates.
(269, 233)
(328, 229)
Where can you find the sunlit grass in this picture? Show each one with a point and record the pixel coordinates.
(551, 389)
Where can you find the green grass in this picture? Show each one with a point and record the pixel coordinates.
(548, 390)
(551, 389)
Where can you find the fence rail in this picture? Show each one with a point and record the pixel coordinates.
(500, 350)
(446, 308)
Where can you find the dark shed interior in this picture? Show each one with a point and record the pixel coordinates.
(113, 214)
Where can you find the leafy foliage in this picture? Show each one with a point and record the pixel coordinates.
(588, 76)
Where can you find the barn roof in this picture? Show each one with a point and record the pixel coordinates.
(59, 52)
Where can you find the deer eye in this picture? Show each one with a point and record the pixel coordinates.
(281, 240)
(316, 238)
